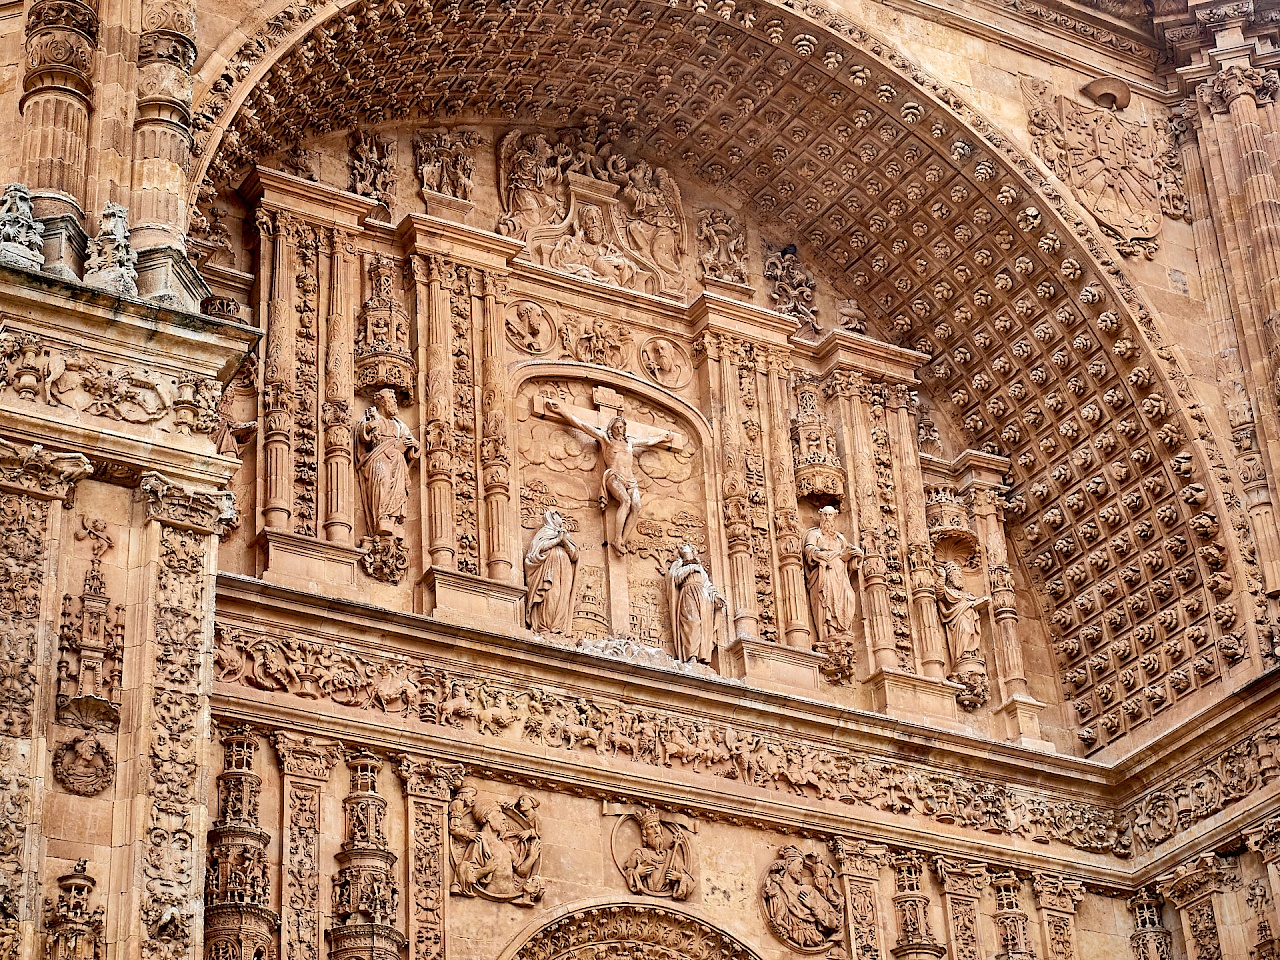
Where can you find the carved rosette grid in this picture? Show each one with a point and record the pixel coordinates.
(428, 784)
(962, 886)
(305, 763)
(465, 437)
(239, 923)
(34, 484)
(1196, 890)
(1058, 898)
(1149, 940)
(176, 738)
(859, 863)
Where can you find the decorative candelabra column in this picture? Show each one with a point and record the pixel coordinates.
(1149, 940)
(278, 375)
(365, 894)
(1197, 889)
(335, 413)
(239, 923)
(911, 907)
(435, 327)
(1012, 922)
(495, 442)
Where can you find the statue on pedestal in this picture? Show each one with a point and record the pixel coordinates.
(829, 561)
(386, 447)
(693, 600)
(960, 612)
(550, 566)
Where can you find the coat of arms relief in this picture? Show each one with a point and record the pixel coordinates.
(1124, 170)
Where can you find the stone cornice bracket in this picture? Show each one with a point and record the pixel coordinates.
(305, 757)
(1264, 839)
(429, 778)
(204, 511)
(41, 473)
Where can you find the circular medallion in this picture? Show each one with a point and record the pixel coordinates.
(530, 327)
(665, 363)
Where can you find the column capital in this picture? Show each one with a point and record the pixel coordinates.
(427, 777)
(1199, 877)
(39, 472)
(1056, 892)
(1264, 839)
(175, 505)
(308, 758)
(858, 858)
(961, 878)
(1234, 82)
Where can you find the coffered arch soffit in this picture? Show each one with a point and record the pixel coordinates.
(894, 188)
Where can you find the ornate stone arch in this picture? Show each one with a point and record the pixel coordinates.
(636, 931)
(1122, 508)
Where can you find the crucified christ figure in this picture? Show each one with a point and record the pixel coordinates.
(619, 481)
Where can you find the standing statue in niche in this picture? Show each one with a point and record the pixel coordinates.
(829, 562)
(619, 451)
(386, 445)
(694, 601)
(961, 615)
(550, 567)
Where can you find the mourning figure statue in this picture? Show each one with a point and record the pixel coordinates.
(693, 600)
(550, 566)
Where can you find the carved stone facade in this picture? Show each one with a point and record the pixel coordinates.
(657, 480)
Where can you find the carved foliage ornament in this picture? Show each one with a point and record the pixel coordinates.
(631, 930)
(1127, 173)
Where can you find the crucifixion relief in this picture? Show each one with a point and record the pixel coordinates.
(620, 441)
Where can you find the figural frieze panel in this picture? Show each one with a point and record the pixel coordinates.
(495, 847)
(803, 902)
(585, 209)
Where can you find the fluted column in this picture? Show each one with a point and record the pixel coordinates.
(278, 374)
(933, 642)
(495, 434)
(786, 514)
(162, 130)
(62, 36)
(335, 412)
(432, 272)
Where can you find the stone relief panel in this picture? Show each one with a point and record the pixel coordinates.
(803, 901)
(624, 479)
(1126, 171)
(653, 849)
(585, 209)
(495, 847)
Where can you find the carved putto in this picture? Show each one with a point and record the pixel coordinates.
(803, 901)
(446, 166)
(723, 243)
(373, 167)
(550, 569)
(659, 862)
(1127, 173)
(495, 847)
(112, 261)
(382, 351)
(586, 209)
(820, 472)
(695, 604)
(21, 234)
(791, 286)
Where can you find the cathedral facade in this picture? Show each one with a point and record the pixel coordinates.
(745, 479)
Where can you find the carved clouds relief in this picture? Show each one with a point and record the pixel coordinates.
(1124, 170)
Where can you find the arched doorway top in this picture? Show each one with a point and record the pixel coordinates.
(627, 930)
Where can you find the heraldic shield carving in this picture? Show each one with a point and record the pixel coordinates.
(1125, 172)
